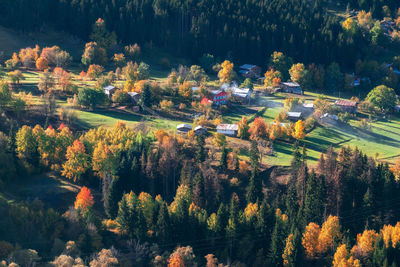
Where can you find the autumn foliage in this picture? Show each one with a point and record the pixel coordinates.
(298, 132)
(84, 200)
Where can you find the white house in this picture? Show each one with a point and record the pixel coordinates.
(183, 128)
(242, 94)
(294, 116)
(109, 90)
(200, 130)
(134, 96)
(227, 129)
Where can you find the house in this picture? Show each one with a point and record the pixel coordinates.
(200, 130)
(347, 105)
(291, 88)
(329, 118)
(241, 94)
(250, 71)
(183, 128)
(134, 97)
(294, 116)
(228, 129)
(308, 105)
(219, 97)
(109, 90)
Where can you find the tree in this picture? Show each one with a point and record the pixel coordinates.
(299, 133)
(176, 261)
(226, 74)
(254, 155)
(119, 59)
(145, 96)
(102, 36)
(42, 63)
(281, 63)
(163, 224)
(94, 71)
(185, 90)
(377, 34)
(94, 54)
(84, 200)
(26, 145)
(334, 78)
(132, 51)
(272, 78)
(197, 74)
(297, 72)
(15, 76)
(207, 61)
(341, 258)
(382, 97)
(120, 97)
(77, 161)
(314, 199)
(46, 82)
(88, 97)
(310, 239)
(247, 84)
(112, 197)
(5, 94)
(258, 130)
(223, 162)
(243, 128)
(254, 190)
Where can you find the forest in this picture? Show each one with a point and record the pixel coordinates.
(238, 30)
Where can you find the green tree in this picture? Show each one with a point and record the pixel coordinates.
(334, 78)
(315, 198)
(163, 224)
(254, 155)
(382, 97)
(223, 162)
(112, 198)
(200, 149)
(247, 84)
(5, 95)
(145, 96)
(94, 54)
(281, 63)
(377, 35)
(91, 97)
(102, 36)
(277, 244)
(254, 190)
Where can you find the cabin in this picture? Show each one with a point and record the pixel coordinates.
(134, 97)
(183, 128)
(109, 90)
(227, 129)
(294, 116)
(347, 106)
(200, 130)
(219, 97)
(250, 71)
(291, 88)
(241, 94)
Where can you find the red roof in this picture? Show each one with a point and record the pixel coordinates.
(205, 101)
(346, 103)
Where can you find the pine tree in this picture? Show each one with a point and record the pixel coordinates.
(254, 190)
(277, 244)
(297, 158)
(223, 162)
(198, 191)
(200, 151)
(145, 96)
(127, 216)
(163, 224)
(315, 198)
(112, 198)
(254, 154)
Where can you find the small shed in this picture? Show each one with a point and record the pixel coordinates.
(109, 90)
(200, 130)
(228, 129)
(294, 116)
(291, 88)
(183, 128)
(134, 96)
(347, 105)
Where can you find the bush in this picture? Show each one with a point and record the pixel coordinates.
(166, 104)
(91, 98)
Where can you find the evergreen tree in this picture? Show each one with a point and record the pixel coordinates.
(163, 230)
(200, 149)
(315, 198)
(112, 198)
(127, 216)
(254, 190)
(254, 154)
(198, 191)
(297, 158)
(223, 162)
(277, 244)
(145, 96)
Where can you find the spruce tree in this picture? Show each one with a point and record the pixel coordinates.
(254, 190)
(277, 244)
(223, 162)
(297, 158)
(163, 229)
(315, 199)
(112, 197)
(254, 154)
(198, 191)
(145, 96)
(200, 149)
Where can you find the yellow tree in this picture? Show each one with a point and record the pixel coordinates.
(226, 74)
(330, 234)
(289, 248)
(272, 78)
(297, 71)
(243, 128)
(185, 90)
(42, 63)
(77, 161)
(299, 133)
(310, 239)
(342, 259)
(258, 129)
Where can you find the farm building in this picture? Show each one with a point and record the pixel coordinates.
(294, 116)
(200, 130)
(291, 88)
(227, 129)
(134, 96)
(308, 105)
(219, 97)
(347, 105)
(183, 128)
(250, 71)
(241, 94)
(109, 90)
(329, 118)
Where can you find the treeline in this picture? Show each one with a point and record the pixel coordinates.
(246, 31)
